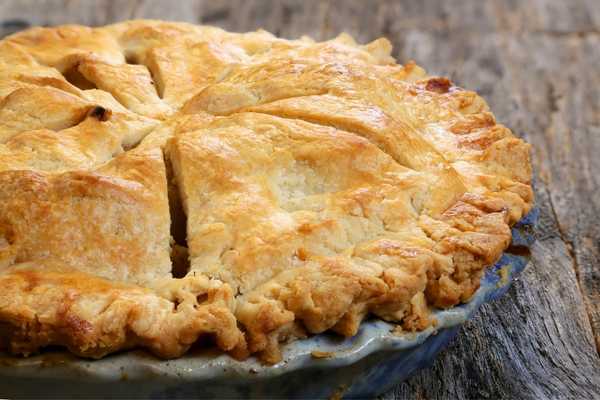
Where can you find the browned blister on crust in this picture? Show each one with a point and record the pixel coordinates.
(296, 186)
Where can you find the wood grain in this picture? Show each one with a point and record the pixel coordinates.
(536, 63)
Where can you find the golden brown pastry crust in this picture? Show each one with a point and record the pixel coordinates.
(321, 182)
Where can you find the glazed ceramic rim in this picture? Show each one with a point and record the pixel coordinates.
(319, 351)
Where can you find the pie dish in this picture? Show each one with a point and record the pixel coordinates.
(322, 366)
(164, 185)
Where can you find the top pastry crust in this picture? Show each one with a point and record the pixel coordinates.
(165, 182)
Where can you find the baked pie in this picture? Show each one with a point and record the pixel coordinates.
(164, 183)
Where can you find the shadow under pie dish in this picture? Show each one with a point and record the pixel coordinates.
(164, 184)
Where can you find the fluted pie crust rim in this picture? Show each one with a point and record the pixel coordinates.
(164, 183)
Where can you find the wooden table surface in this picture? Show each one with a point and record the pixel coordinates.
(538, 64)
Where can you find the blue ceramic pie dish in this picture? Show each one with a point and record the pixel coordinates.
(322, 366)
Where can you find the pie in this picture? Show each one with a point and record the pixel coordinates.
(163, 184)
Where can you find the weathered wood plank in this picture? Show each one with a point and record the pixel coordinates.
(537, 64)
(561, 91)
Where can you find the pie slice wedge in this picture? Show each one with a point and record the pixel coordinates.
(316, 227)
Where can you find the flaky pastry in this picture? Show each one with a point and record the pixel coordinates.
(161, 183)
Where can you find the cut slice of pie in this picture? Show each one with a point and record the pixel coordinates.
(162, 183)
(85, 263)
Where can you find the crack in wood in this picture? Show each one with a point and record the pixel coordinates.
(215, 16)
(134, 9)
(577, 34)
